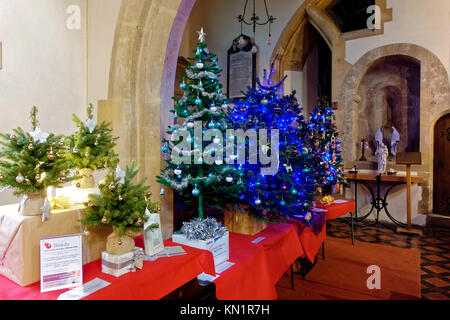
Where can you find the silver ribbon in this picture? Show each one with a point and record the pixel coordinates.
(45, 209)
(138, 258)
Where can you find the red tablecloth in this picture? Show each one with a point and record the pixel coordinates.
(258, 266)
(309, 240)
(157, 279)
(336, 210)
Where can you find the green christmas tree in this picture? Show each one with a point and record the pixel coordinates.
(92, 145)
(122, 203)
(200, 174)
(32, 161)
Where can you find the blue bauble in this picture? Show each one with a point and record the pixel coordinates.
(165, 149)
(198, 101)
(183, 86)
(294, 191)
(282, 203)
(211, 125)
(195, 192)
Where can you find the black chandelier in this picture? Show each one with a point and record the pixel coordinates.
(255, 20)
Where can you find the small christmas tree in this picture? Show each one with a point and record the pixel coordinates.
(90, 147)
(325, 146)
(200, 175)
(32, 161)
(121, 204)
(288, 191)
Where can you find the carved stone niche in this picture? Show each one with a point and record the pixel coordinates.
(390, 97)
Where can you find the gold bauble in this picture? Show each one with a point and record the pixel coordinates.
(30, 147)
(51, 156)
(104, 220)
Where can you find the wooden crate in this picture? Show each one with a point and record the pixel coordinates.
(237, 222)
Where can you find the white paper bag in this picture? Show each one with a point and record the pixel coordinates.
(153, 240)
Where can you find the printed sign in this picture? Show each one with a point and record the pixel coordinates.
(61, 262)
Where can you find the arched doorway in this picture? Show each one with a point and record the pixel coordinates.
(441, 171)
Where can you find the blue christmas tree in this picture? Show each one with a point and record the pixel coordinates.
(288, 192)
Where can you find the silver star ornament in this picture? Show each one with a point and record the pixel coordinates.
(39, 136)
(201, 35)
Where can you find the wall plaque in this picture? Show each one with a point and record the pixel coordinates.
(241, 67)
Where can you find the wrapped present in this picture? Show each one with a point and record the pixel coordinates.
(219, 246)
(240, 221)
(120, 264)
(20, 237)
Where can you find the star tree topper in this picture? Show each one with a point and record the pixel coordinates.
(201, 35)
(39, 136)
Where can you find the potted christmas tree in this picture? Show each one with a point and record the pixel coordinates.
(90, 148)
(122, 205)
(31, 162)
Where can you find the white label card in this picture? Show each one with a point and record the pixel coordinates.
(85, 290)
(61, 262)
(224, 266)
(258, 240)
(338, 201)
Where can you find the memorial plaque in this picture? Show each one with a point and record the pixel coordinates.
(240, 73)
(241, 68)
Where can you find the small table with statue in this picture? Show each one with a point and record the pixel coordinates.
(386, 135)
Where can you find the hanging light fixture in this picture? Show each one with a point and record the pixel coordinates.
(255, 20)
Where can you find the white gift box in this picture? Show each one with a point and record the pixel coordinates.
(120, 264)
(153, 240)
(220, 246)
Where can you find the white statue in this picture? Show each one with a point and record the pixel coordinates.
(386, 132)
(382, 153)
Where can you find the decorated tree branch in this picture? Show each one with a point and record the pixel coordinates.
(31, 162)
(121, 205)
(90, 148)
(195, 166)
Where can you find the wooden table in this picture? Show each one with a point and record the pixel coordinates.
(378, 202)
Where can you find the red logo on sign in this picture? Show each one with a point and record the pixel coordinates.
(47, 245)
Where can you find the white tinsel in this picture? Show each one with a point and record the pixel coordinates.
(202, 74)
(203, 229)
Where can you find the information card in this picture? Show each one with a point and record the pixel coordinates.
(61, 262)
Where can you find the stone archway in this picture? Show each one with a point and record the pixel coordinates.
(295, 41)
(143, 65)
(434, 101)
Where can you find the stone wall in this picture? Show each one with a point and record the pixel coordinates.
(434, 102)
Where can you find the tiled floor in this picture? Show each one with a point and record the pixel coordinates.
(434, 250)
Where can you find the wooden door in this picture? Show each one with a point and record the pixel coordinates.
(441, 193)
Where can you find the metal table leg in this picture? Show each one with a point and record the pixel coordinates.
(292, 276)
(323, 250)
